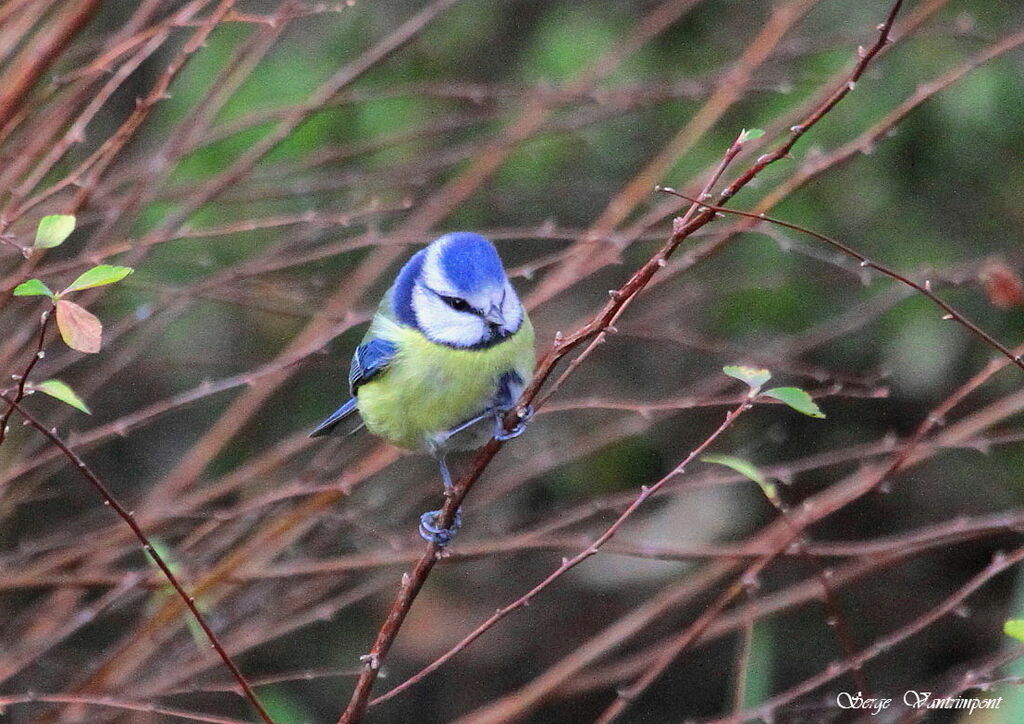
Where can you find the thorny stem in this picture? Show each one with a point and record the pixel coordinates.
(412, 582)
(835, 619)
(626, 696)
(1000, 562)
(145, 707)
(831, 601)
(570, 563)
(129, 518)
(797, 131)
(793, 531)
(925, 289)
(44, 322)
(599, 339)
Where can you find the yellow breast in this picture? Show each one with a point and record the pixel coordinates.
(429, 388)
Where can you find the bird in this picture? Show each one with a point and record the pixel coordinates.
(447, 355)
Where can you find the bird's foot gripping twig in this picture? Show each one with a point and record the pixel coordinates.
(524, 415)
(430, 531)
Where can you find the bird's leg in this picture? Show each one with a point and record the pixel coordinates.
(446, 475)
(463, 425)
(499, 424)
(429, 529)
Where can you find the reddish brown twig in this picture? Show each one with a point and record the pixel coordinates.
(37, 355)
(872, 480)
(800, 129)
(999, 563)
(38, 54)
(129, 518)
(145, 707)
(570, 563)
(925, 289)
(598, 326)
(413, 581)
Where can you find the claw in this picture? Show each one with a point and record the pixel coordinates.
(524, 417)
(430, 531)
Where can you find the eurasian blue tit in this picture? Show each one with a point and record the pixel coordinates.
(446, 356)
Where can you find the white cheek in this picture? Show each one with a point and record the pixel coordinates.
(511, 309)
(441, 323)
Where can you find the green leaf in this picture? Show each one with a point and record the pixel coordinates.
(32, 288)
(1014, 628)
(53, 230)
(746, 469)
(753, 377)
(80, 329)
(63, 392)
(750, 134)
(98, 276)
(797, 399)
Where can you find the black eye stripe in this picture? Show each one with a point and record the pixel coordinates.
(459, 304)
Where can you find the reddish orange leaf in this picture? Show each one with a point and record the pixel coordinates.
(79, 328)
(1002, 285)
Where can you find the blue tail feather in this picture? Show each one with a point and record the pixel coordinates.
(327, 426)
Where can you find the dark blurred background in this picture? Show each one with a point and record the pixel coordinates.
(244, 291)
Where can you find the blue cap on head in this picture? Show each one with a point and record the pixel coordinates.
(470, 262)
(401, 302)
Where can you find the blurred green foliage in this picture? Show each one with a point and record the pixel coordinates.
(940, 194)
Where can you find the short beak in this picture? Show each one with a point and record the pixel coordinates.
(494, 316)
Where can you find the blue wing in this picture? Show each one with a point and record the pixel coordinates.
(328, 425)
(370, 360)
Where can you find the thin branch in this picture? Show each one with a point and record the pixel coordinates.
(999, 563)
(570, 563)
(596, 328)
(810, 511)
(925, 289)
(129, 518)
(112, 703)
(19, 395)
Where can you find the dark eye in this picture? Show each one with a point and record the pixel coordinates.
(457, 303)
